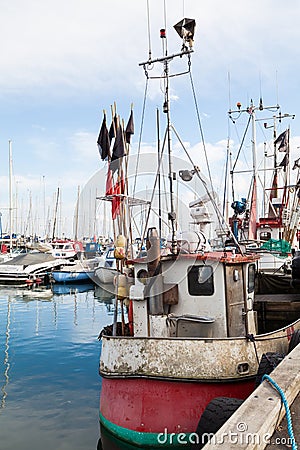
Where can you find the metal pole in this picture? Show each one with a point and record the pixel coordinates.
(10, 198)
(159, 179)
(166, 108)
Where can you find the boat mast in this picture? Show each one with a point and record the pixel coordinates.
(55, 215)
(254, 165)
(10, 197)
(185, 29)
(77, 214)
(172, 175)
(159, 177)
(252, 111)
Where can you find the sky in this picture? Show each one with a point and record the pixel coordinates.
(63, 62)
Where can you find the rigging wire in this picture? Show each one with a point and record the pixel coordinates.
(225, 194)
(140, 136)
(200, 127)
(154, 186)
(226, 179)
(223, 225)
(242, 143)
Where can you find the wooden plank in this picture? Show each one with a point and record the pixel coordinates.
(277, 298)
(254, 422)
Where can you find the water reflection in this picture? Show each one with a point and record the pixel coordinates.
(105, 292)
(49, 381)
(6, 357)
(71, 288)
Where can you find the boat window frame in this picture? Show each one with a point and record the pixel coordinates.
(251, 278)
(207, 286)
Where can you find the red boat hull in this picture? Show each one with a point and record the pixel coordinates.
(154, 406)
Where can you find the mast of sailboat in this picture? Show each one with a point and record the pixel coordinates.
(55, 214)
(77, 214)
(10, 198)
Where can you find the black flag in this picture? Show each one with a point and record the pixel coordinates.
(284, 162)
(103, 140)
(118, 148)
(296, 164)
(283, 141)
(129, 128)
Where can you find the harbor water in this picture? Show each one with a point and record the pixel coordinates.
(49, 378)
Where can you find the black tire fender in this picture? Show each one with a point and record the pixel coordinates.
(267, 364)
(216, 413)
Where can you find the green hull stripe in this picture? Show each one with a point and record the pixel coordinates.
(145, 440)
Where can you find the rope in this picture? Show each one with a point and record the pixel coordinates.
(252, 339)
(222, 224)
(201, 129)
(273, 338)
(287, 409)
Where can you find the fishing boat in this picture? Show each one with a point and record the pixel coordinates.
(273, 231)
(191, 335)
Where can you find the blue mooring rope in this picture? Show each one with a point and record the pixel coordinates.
(287, 410)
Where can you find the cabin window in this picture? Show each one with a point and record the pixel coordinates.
(251, 278)
(200, 280)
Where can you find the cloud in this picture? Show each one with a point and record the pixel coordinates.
(63, 61)
(89, 45)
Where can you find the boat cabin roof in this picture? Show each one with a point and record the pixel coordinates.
(223, 257)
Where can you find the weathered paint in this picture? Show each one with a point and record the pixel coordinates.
(188, 358)
(114, 436)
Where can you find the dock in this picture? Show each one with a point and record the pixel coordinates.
(259, 423)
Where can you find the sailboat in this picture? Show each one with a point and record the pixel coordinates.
(191, 335)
